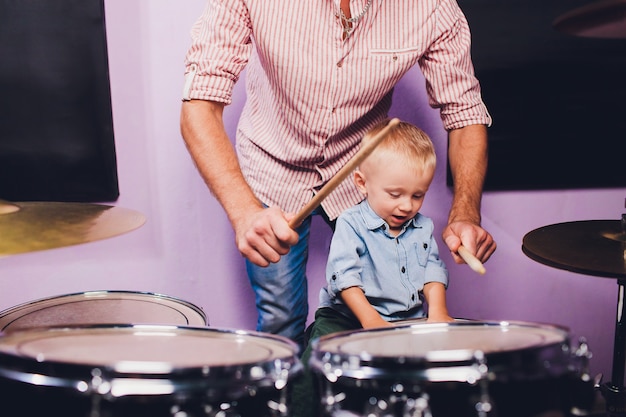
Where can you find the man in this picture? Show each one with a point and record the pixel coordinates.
(319, 75)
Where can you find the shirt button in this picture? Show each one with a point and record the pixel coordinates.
(340, 64)
(403, 270)
(412, 297)
(334, 277)
(425, 245)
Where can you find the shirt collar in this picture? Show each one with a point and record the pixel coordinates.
(373, 221)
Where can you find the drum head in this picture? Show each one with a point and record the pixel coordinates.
(443, 352)
(142, 359)
(102, 307)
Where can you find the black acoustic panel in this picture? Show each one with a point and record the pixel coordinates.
(558, 101)
(56, 128)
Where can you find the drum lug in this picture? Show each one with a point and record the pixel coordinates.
(583, 354)
(281, 374)
(97, 388)
(584, 388)
(418, 407)
(281, 378)
(278, 408)
(484, 406)
(332, 400)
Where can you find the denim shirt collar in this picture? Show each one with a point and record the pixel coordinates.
(373, 221)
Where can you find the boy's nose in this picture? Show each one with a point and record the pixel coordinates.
(406, 204)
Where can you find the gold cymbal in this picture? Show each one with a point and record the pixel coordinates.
(593, 247)
(601, 19)
(34, 226)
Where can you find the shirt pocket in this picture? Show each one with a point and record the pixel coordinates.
(395, 61)
(422, 250)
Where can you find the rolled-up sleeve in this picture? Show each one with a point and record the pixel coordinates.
(219, 51)
(436, 270)
(344, 267)
(449, 72)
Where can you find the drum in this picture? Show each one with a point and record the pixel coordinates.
(144, 370)
(102, 307)
(464, 368)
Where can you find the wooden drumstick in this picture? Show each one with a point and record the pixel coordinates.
(471, 260)
(341, 175)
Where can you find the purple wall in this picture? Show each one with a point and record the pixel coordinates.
(186, 248)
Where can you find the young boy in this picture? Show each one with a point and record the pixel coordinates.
(383, 261)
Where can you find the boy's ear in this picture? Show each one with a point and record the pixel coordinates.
(359, 181)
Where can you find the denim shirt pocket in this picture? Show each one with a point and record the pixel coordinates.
(422, 249)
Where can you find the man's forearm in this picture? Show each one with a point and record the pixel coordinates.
(467, 155)
(203, 130)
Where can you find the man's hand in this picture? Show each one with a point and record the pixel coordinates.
(264, 236)
(476, 239)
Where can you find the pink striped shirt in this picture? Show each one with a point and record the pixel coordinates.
(311, 96)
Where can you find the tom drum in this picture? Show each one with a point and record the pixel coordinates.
(102, 307)
(464, 368)
(144, 370)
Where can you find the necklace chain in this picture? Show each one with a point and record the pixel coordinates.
(348, 24)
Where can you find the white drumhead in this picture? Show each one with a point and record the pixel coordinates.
(427, 340)
(144, 348)
(147, 359)
(102, 307)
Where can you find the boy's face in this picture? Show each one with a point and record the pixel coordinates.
(394, 188)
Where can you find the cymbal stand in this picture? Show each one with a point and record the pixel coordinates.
(614, 391)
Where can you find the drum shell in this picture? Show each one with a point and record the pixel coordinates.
(112, 388)
(526, 381)
(549, 397)
(27, 400)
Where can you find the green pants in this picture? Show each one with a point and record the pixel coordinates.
(305, 398)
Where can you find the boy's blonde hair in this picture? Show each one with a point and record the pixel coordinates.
(406, 140)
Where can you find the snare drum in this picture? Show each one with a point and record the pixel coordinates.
(102, 307)
(465, 368)
(144, 370)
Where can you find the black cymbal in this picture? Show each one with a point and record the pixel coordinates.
(601, 19)
(34, 226)
(593, 247)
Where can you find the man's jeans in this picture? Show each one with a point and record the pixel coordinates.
(281, 290)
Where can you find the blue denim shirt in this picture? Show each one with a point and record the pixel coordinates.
(390, 270)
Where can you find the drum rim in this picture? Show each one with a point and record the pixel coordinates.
(402, 324)
(95, 293)
(217, 379)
